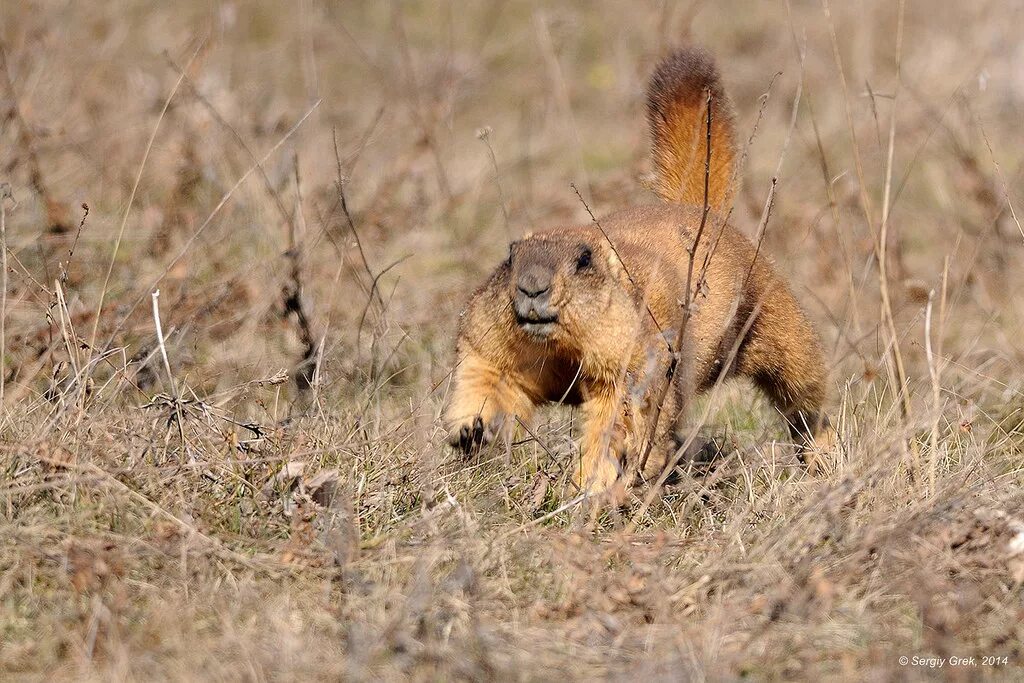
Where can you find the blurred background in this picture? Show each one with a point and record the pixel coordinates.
(316, 187)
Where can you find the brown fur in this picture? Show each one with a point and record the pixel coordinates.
(677, 115)
(616, 291)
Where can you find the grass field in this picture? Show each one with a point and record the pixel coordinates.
(261, 490)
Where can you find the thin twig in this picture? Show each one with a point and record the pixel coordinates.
(167, 366)
(484, 135)
(769, 204)
(160, 342)
(348, 216)
(933, 372)
(883, 248)
(737, 172)
(375, 289)
(74, 245)
(5, 194)
(689, 298)
(355, 234)
(999, 174)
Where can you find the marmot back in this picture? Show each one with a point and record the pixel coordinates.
(587, 314)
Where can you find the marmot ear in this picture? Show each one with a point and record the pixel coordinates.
(614, 264)
(617, 268)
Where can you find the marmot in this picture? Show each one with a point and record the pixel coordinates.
(588, 315)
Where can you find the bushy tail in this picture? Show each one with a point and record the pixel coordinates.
(677, 114)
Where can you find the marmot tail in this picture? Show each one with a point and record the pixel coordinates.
(677, 96)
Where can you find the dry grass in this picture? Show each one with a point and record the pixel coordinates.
(271, 499)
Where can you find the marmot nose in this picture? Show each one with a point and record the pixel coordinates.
(533, 291)
(533, 283)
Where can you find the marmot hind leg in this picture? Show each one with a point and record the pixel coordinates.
(783, 357)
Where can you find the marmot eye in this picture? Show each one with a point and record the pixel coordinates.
(584, 259)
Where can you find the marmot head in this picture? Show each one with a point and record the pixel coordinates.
(563, 284)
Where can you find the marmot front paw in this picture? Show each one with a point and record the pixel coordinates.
(472, 435)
